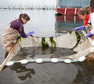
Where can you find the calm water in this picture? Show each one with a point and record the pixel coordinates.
(44, 23)
(42, 52)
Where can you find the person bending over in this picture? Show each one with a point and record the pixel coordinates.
(13, 30)
(88, 18)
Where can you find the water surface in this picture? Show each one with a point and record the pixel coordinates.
(44, 23)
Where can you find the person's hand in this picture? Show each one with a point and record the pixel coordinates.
(29, 33)
(88, 34)
(79, 28)
(19, 36)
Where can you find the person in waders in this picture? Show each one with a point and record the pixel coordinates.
(88, 18)
(13, 30)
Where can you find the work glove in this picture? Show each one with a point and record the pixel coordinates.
(29, 33)
(19, 36)
(88, 34)
(79, 28)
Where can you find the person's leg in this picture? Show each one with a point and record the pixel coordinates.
(8, 48)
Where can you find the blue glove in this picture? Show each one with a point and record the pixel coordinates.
(79, 28)
(88, 34)
(29, 33)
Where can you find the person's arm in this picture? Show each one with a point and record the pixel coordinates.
(23, 34)
(88, 35)
(79, 28)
